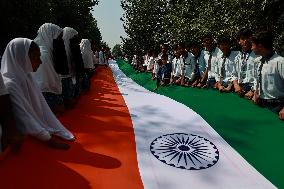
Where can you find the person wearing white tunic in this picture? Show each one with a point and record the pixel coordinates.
(69, 81)
(46, 76)
(245, 63)
(226, 76)
(9, 134)
(33, 115)
(151, 61)
(102, 57)
(270, 81)
(211, 52)
(188, 66)
(88, 59)
(198, 58)
(176, 68)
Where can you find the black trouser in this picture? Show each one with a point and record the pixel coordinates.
(275, 105)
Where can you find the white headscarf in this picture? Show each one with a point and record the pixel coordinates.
(69, 33)
(32, 114)
(46, 76)
(87, 53)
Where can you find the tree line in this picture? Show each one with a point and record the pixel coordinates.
(148, 23)
(22, 18)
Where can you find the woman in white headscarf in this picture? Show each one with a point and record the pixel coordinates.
(88, 59)
(47, 76)
(69, 81)
(32, 114)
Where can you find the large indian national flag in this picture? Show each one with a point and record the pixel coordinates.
(177, 149)
(131, 138)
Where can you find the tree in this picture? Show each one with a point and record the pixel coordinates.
(149, 22)
(22, 18)
(116, 51)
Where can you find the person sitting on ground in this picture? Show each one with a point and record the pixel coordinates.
(245, 64)
(9, 134)
(88, 59)
(227, 78)
(32, 113)
(269, 91)
(54, 64)
(211, 52)
(198, 58)
(164, 72)
(176, 68)
(151, 60)
(188, 66)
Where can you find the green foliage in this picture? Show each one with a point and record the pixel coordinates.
(150, 22)
(116, 51)
(22, 18)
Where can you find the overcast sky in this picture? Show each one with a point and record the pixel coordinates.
(108, 14)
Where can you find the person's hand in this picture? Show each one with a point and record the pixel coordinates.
(199, 85)
(56, 143)
(281, 114)
(249, 95)
(255, 98)
(228, 89)
(194, 84)
(221, 88)
(238, 89)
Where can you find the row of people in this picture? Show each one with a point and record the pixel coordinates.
(256, 72)
(40, 78)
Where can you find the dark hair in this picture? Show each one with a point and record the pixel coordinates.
(244, 32)
(224, 39)
(207, 35)
(164, 45)
(33, 46)
(181, 44)
(164, 56)
(195, 44)
(264, 38)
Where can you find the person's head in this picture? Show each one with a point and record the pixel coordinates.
(195, 48)
(208, 41)
(181, 48)
(224, 44)
(21, 57)
(262, 43)
(34, 55)
(48, 33)
(164, 59)
(164, 48)
(176, 52)
(243, 37)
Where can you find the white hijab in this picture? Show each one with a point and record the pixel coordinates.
(32, 114)
(87, 53)
(46, 76)
(69, 33)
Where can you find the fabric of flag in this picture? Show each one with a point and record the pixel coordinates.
(176, 148)
(131, 138)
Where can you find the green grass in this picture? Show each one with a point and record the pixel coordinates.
(256, 133)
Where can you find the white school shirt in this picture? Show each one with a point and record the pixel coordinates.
(272, 74)
(230, 73)
(134, 60)
(201, 65)
(246, 67)
(151, 62)
(176, 67)
(146, 60)
(188, 66)
(212, 72)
